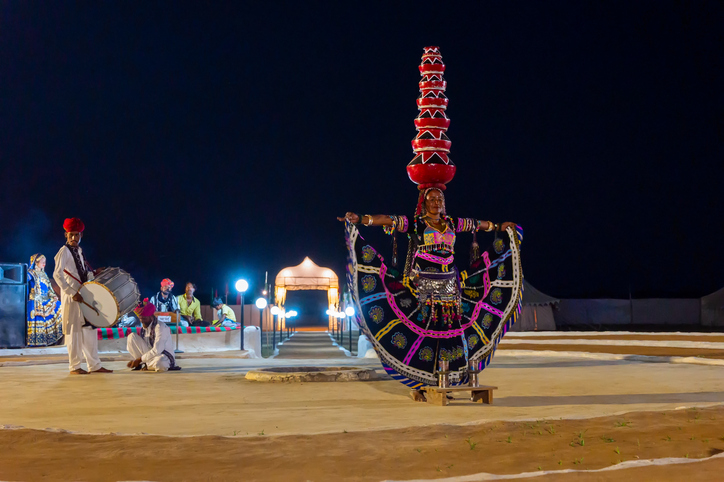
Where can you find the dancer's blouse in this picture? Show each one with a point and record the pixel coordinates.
(435, 249)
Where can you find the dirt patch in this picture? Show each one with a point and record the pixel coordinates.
(622, 350)
(312, 374)
(417, 452)
(639, 337)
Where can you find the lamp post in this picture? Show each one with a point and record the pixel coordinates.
(241, 286)
(349, 311)
(261, 304)
(275, 311)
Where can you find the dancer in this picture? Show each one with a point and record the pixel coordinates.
(430, 312)
(44, 322)
(71, 270)
(152, 350)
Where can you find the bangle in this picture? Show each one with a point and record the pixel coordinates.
(369, 220)
(490, 227)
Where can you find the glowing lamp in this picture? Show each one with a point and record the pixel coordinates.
(349, 311)
(242, 286)
(261, 303)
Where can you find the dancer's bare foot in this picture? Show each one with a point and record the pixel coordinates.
(102, 370)
(417, 396)
(78, 371)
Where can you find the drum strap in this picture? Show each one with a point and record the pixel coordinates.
(80, 263)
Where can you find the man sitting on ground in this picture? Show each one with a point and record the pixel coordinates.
(225, 315)
(165, 302)
(152, 350)
(191, 307)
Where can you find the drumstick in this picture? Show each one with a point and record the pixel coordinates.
(77, 292)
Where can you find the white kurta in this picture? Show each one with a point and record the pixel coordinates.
(77, 339)
(152, 355)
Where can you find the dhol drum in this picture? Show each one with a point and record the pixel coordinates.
(112, 293)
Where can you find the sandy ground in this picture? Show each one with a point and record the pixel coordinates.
(627, 350)
(412, 453)
(215, 425)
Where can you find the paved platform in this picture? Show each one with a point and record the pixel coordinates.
(211, 396)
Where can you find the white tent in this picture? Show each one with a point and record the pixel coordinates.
(537, 310)
(712, 309)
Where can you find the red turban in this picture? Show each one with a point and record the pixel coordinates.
(148, 310)
(73, 225)
(166, 282)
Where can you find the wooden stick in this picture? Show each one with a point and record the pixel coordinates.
(78, 292)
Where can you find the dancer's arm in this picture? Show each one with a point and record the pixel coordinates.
(367, 219)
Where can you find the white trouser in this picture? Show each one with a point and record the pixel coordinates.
(137, 346)
(83, 341)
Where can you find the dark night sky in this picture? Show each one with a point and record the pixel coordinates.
(207, 141)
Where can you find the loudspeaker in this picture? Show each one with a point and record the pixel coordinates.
(13, 304)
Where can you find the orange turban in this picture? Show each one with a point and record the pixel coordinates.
(166, 282)
(73, 225)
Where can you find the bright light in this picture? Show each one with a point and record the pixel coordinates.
(261, 303)
(329, 312)
(275, 310)
(307, 262)
(349, 311)
(241, 286)
(291, 313)
(264, 292)
(339, 315)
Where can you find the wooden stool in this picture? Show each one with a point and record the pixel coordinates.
(438, 396)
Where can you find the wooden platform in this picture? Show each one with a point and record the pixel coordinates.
(480, 394)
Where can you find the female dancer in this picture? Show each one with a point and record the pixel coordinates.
(44, 323)
(430, 312)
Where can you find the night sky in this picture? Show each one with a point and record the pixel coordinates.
(207, 141)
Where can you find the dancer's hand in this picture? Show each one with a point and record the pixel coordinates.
(505, 226)
(77, 297)
(98, 271)
(351, 217)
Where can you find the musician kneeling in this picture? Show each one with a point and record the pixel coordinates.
(153, 348)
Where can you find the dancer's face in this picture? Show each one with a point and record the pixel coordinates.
(434, 202)
(40, 264)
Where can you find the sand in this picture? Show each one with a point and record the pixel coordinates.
(208, 422)
(411, 453)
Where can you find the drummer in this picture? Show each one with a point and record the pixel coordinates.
(153, 349)
(81, 337)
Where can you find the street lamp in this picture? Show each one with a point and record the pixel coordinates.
(349, 311)
(241, 286)
(261, 304)
(275, 311)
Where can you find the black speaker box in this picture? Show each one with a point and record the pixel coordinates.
(13, 304)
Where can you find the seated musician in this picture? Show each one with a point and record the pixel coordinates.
(225, 315)
(191, 307)
(165, 302)
(152, 350)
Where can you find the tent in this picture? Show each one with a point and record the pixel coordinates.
(712, 309)
(537, 310)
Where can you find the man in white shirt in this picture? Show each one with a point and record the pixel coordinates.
(152, 350)
(71, 270)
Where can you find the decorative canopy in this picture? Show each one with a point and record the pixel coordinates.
(307, 276)
(431, 166)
